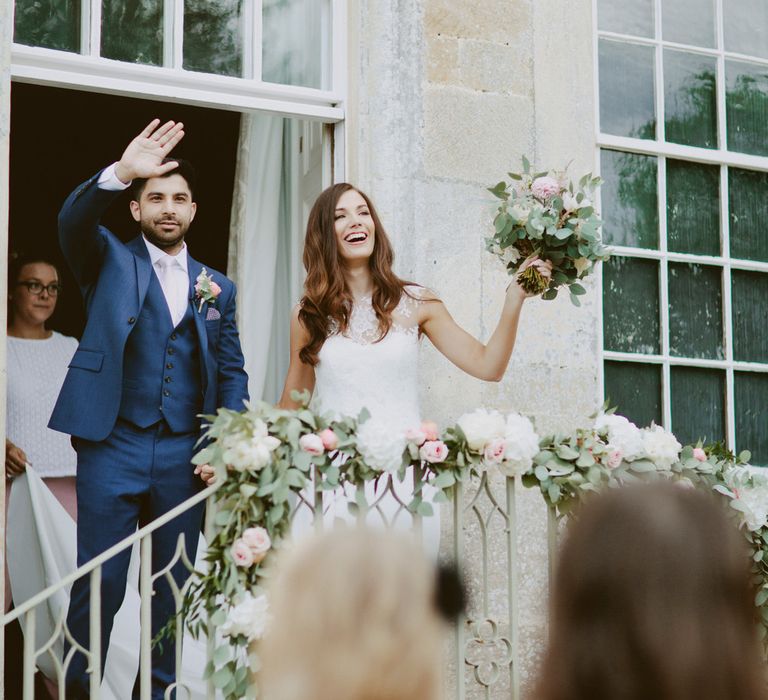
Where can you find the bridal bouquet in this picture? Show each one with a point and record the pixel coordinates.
(545, 214)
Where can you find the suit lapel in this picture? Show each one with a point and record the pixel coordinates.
(194, 268)
(143, 266)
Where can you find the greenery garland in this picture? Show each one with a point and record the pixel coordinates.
(264, 457)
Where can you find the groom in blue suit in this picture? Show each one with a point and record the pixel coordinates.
(160, 347)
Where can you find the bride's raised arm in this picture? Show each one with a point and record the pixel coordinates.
(301, 376)
(485, 361)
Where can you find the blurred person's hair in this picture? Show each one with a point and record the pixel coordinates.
(356, 615)
(652, 600)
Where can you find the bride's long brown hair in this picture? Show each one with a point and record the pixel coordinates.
(327, 300)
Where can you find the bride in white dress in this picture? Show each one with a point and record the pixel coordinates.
(355, 336)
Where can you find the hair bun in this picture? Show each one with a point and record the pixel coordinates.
(450, 594)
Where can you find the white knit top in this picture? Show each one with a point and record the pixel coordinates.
(36, 371)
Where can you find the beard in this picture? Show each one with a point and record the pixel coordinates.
(162, 238)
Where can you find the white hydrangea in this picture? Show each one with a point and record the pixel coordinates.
(522, 445)
(381, 447)
(481, 426)
(661, 446)
(623, 436)
(250, 452)
(249, 617)
(750, 496)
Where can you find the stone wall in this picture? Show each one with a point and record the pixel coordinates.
(446, 97)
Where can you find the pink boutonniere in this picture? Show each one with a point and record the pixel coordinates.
(206, 289)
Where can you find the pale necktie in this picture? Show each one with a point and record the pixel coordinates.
(175, 285)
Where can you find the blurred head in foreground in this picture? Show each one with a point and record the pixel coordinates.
(356, 615)
(652, 599)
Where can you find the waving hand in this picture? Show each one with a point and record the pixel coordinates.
(144, 155)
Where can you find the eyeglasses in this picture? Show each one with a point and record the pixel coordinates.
(37, 288)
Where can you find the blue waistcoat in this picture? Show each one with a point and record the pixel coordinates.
(161, 367)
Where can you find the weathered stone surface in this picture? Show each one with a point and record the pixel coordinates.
(491, 67)
(503, 22)
(442, 59)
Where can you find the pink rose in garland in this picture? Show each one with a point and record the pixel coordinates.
(329, 439)
(258, 541)
(699, 454)
(312, 443)
(241, 553)
(416, 436)
(494, 451)
(434, 451)
(430, 430)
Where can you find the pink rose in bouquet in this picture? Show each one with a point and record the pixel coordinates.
(312, 443)
(330, 439)
(258, 541)
(434, 451)
(241, 553)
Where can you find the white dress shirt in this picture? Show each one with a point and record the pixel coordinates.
(171, 270)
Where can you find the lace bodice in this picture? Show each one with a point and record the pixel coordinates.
(354, 371)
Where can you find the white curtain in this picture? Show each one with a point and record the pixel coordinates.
(264, 240)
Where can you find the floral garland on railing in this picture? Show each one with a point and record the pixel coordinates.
(264, 454)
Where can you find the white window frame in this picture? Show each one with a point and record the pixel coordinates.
(171, 83)
(662, 150)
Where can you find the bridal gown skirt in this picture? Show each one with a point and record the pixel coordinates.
(41, 550)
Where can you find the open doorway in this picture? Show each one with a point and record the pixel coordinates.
(60, 137)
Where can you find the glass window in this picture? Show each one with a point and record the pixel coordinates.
(636, 389)
(689, 99)
(746, 107)
(630, 206)
(695, 311)
(751, 399)
(626, 16)
(627, 104)
(132, 31)
(745, 27)
(213, 36)
(747, 201)
(750, 302)
(693, 207)
(51, 24)
(698, 404)
(631, 326)
(689, 22)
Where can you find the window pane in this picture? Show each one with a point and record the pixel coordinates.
(213, 36)
(747, 197)
(629, 199)
(746, 27)
(695, 311)
(53, 24)
(631, 305)
(689, 99)
(291, 36)
(636, 389)
(132, 31)
(746, 107)
(626, 16)
(693, 208)
(698, 404)
(627, 106)
(750, 296)
(689, 22)
(751, 408)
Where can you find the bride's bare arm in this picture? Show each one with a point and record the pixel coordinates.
(300, 375)
(489, 361)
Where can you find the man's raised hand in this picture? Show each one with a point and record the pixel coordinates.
(144, 156)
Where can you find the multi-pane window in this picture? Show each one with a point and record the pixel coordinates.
(683, 136)
(279, 41)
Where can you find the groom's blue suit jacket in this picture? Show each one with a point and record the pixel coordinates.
(114, 279)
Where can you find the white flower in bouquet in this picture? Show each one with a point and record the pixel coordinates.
(570, 202)
(622, 435)
(661, 446)
(520, 213)
(582, 265)
(381, 447)
(522, 445)
(250, 452)
(545, 188)
(511, 255)
(249, 617)
(480, 427)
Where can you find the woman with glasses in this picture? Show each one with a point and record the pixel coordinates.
(37, 360)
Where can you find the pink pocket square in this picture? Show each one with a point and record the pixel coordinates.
(213, 314)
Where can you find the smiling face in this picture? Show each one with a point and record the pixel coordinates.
(354, 227)
(164, 211)
(34, 309)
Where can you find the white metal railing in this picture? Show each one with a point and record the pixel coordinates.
(486, 642)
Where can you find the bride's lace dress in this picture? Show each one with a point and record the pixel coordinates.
(355, 370)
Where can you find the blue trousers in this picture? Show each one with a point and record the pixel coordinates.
(125, 481)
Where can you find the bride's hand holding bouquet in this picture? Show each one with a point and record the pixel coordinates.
(544, 218)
